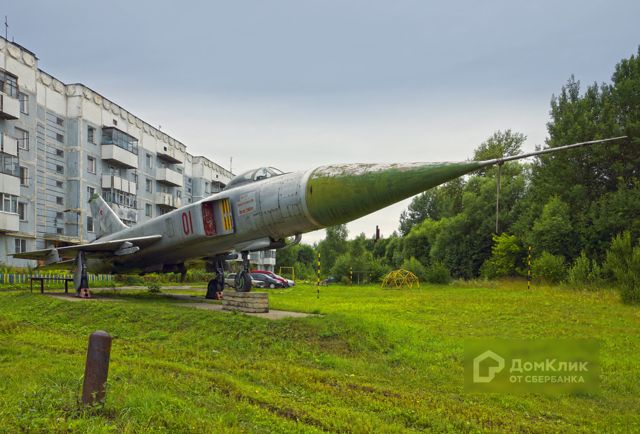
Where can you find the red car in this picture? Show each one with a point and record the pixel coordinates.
(285, 282)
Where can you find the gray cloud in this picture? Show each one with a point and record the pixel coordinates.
(299, 83)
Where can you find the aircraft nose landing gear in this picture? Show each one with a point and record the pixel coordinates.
(243, 278)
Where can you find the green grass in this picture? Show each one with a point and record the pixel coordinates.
(376, 360)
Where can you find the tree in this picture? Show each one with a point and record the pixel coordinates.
(553, 231)
(623, 261)
(439, 202)
(334, 244)
(500, 144)
(505, 257)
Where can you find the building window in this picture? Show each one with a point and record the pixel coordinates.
(149, 161)
(8, 203)
(91, 135)
(24, 176)
(59, 200)
(9, 84)
(59, 215)
(91, 164)
(59, 137)
(59, 184)
(113, 136)
(148, 210)
(148, 185)
(90, 191)
(22, 211)
(59, 152)
(89, 224)
(59, 169)
(179, 194)
(20, 245)
(59, 121)
(23, 138)
(24, 103)
(115, 122)
(60, 231)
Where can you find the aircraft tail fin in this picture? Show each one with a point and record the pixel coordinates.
(104, 219)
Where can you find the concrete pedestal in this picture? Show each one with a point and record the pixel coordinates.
(250, 302)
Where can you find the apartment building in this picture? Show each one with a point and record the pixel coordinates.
(60, 143)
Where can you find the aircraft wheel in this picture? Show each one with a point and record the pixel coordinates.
(214, 290)
(243, 282)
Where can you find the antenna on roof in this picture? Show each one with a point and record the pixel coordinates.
(6, 28)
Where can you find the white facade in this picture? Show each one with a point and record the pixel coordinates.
(71, 141)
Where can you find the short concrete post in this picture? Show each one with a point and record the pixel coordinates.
(97, 368)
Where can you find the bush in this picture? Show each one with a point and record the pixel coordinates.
(549, 268)
(437, 272)
(623, 262)
(584, 272)
(416, 267)
(154, 288)
(505, 254)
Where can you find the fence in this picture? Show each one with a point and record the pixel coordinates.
(17, 278)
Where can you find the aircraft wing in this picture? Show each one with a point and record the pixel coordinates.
(118, 247)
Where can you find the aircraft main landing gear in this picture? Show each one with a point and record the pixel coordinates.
(243, 278)
(80, 278)
(216, 285)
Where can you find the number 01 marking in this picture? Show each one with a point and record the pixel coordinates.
(187, 223)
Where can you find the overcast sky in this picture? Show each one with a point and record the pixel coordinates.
(296, 84)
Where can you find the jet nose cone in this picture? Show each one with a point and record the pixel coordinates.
(338, 194)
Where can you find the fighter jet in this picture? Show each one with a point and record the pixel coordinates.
(258, 210)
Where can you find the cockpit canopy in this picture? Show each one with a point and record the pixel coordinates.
(253, 175)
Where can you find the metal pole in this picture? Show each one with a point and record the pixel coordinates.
(529, 269)
(498, 201)
(318, 276)
(96, 369)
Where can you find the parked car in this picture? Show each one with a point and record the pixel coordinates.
(230, 281)
(328, 280)
(284, 280)
(267, 281)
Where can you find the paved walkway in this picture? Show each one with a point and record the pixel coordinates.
(272, 314)
(195, 302)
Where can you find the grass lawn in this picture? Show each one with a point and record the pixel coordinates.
(376, 361)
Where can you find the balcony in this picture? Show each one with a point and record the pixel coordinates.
(9, 184)
(119, 147)
(8, 145)
(167, 200)
(172, 155)
(9, 107)
(9, 222)
(169, 176)
(118, 155)
(117, 183)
